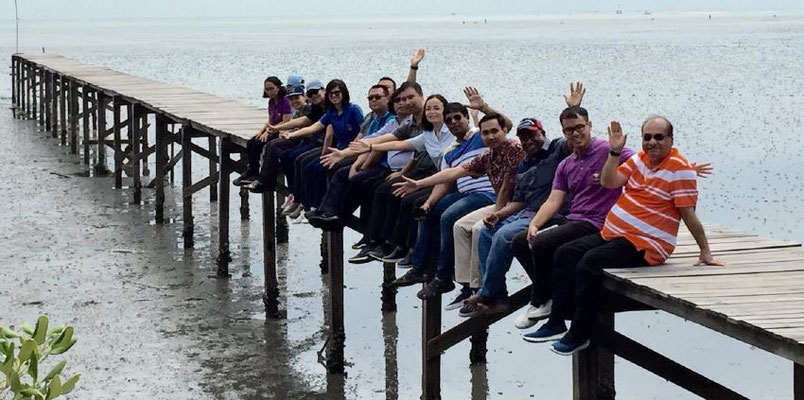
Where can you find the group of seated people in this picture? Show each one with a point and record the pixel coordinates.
(456, 203)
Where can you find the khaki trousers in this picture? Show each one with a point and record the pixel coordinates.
(466, 233)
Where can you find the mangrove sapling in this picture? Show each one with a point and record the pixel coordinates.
(24, 351)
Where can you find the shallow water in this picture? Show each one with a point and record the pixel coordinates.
(154, 322)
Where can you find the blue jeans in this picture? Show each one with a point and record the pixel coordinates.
(494, 250)
(439, 221)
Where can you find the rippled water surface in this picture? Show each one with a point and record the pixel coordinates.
(732, 86)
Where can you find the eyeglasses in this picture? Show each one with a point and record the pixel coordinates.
(374, 97)
(335, 92)
(572, 129)
(454, 118)
(658, 136)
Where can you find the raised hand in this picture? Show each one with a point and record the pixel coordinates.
(616, 136)
(703, 170)
(333, 157)
(359, 147)
(405, 187)
(476, 101)
(575, 96)
(416, 58)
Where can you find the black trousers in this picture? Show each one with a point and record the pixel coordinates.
(538, 258)
(254, 153)
(577, 277)
(406, 228)
(385, 209)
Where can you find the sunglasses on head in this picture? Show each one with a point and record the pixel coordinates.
(658, 136)
(454, 118)
(374, 97)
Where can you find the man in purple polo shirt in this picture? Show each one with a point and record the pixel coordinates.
(578, 179)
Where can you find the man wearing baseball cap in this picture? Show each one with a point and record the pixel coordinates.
(532, 186)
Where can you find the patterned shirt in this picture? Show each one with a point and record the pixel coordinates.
(499, 164)
(647, 213)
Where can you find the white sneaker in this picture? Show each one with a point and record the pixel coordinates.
(301, 219)
(533, 314)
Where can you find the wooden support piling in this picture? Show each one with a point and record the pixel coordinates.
(135, 139)
(388, 293)
(223, 206)
(46, 99)
(187, 181)
(85, 121)
(593, 368)
(477, 353)
(798, 381)
(431, 361)
(26, 88)
(73, 96)
(118, 146)
(337, 333)
(161, 164)
(102, 101)
(14, 85)
(32, 83)
(282, 229)
(324, 263)
(41, 86)
(54, 105)
(144, 140)
(213, 166)
(271, 295)
(244, 211)
(63, 101)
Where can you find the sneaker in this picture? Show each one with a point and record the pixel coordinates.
(289, 200)
(533, 314)
(244, 179)
(255, 187)
(435, 288)
(412, 277)
(300, 219)
(471, 307)
(547, 333)
(465, 293)
(396, 255)
(406, 262)
(360, 243)
(379, 251)
(361, 257)
(294, 211)
(569, 345)
(312, 214)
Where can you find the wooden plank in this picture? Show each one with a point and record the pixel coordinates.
(195, 187)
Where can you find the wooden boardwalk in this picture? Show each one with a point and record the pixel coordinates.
(758, 298)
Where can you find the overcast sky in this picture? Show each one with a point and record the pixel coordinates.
(310, 9)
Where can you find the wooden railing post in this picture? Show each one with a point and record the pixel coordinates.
(271, 296)
(337, 334)
(593, 368)
(431, 360)
(161, 165)
(223, 207)
(187, 181)
(388, 293)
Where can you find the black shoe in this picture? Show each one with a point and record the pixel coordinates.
(360, 243)
(378, 252)
(435, 288)
(406, 262)
(312, 214)
(396, 255)
(362, 257)
(244, 179)
(255, 187)
(412, 277)
(324, 220)
(465, 293)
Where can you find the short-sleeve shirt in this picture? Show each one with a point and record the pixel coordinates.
(276, 109)
(534, 178)
(647, 213)
(433, 144)
(463, 153)
(579, 176)
(499, 164)
(372, 123)
(296, 113)
(315, 112)
(345, 125)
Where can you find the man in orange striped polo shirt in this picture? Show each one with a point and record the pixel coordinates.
(640, 230)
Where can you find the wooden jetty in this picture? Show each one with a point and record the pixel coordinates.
(758, 298)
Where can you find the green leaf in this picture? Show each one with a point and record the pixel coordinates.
(41, 329)
(33, 367)
(54, 388)
(33, 392)
(65, 337)
(63, 347)
(9, 333)
(27, 328)
(55, 371)
(14, 382)
(69, 385)
(27, 350)
(8, 364)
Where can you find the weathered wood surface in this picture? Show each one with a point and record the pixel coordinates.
(207, 113)
(757, 298)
